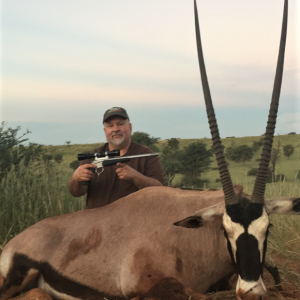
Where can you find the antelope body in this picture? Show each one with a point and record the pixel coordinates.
(122, 250)
(131, 247)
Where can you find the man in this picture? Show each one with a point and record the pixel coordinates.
(120, 180)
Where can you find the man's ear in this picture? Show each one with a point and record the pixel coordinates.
(203, 216)
(283, 206)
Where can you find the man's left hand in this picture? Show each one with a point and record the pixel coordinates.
(125, 172)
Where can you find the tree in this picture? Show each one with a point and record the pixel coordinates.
(288, 150)
(68, 142)
(170, 160)
(195, 160)
(275, 158)
(238, 154)
(173, 143)
(144, 138)
(256, 145)
(12, 150)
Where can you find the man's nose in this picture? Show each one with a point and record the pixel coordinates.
(115, 128)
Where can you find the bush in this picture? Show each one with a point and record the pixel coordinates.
(288, 150)
(280, 178)
(47, 157)
(74, 164)
(58, 158)
(238, 154)
(298, 174)
(218, 180)
(252, 172)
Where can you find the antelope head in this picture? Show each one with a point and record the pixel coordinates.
(245, 219)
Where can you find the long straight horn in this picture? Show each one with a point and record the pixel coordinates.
(262, 173)
(230, 197)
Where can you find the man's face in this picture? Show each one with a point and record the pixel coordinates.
(117, 131)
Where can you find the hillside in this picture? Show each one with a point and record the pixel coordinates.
(287, 166)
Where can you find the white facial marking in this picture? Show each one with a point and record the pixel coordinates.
(258, 228)
(5, 262)
(281, 206)
(253, 287)
(234, 230)
(211, 213)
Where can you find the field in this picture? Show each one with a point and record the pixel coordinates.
(32, 193)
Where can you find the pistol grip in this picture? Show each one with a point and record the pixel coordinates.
(88, 182)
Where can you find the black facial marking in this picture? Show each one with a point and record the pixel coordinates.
(230, 251)
(244, 212)
(22, 264)
(296, 205)
(249, 266)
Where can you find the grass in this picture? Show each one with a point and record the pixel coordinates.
(32, 193)
(38, 191)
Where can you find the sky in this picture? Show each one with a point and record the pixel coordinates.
(64, 63)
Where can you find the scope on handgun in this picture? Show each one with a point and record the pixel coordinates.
(83, 156)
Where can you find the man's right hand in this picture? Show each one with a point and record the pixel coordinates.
(82, 173)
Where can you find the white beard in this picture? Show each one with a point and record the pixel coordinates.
(118, 141)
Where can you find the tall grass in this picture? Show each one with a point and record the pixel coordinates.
(29, 194)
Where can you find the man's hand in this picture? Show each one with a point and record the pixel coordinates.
(125, 172)
(82, 173)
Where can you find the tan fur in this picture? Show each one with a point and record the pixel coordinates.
(34, 294)
(131, 245)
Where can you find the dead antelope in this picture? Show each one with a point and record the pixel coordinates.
(131, 249)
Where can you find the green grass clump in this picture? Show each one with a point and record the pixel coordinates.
(32, 193)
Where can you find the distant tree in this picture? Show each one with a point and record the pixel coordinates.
(31, 152)
(252, 172)
(288, 150)
(12, 150)
(256, 145)
(298, 174)
(292, 133)
(170, 160)
(68, 142)
(173, 143)
(275, 158)
(241, 153)
(58, 157)
(195, 160)
(74, 164)
(144, 138)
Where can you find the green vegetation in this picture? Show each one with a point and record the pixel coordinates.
(238, 154)
(145, 139)
(33, 186)
(288, 150)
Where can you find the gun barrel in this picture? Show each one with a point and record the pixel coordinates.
(141, 155)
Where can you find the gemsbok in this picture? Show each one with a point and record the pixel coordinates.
(131, 248)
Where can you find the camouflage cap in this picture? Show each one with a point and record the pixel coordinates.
(115, 111)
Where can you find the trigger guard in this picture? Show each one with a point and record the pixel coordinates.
(99, 172)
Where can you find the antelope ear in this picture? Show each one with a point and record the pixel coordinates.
(203, 216)
(283, 206)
